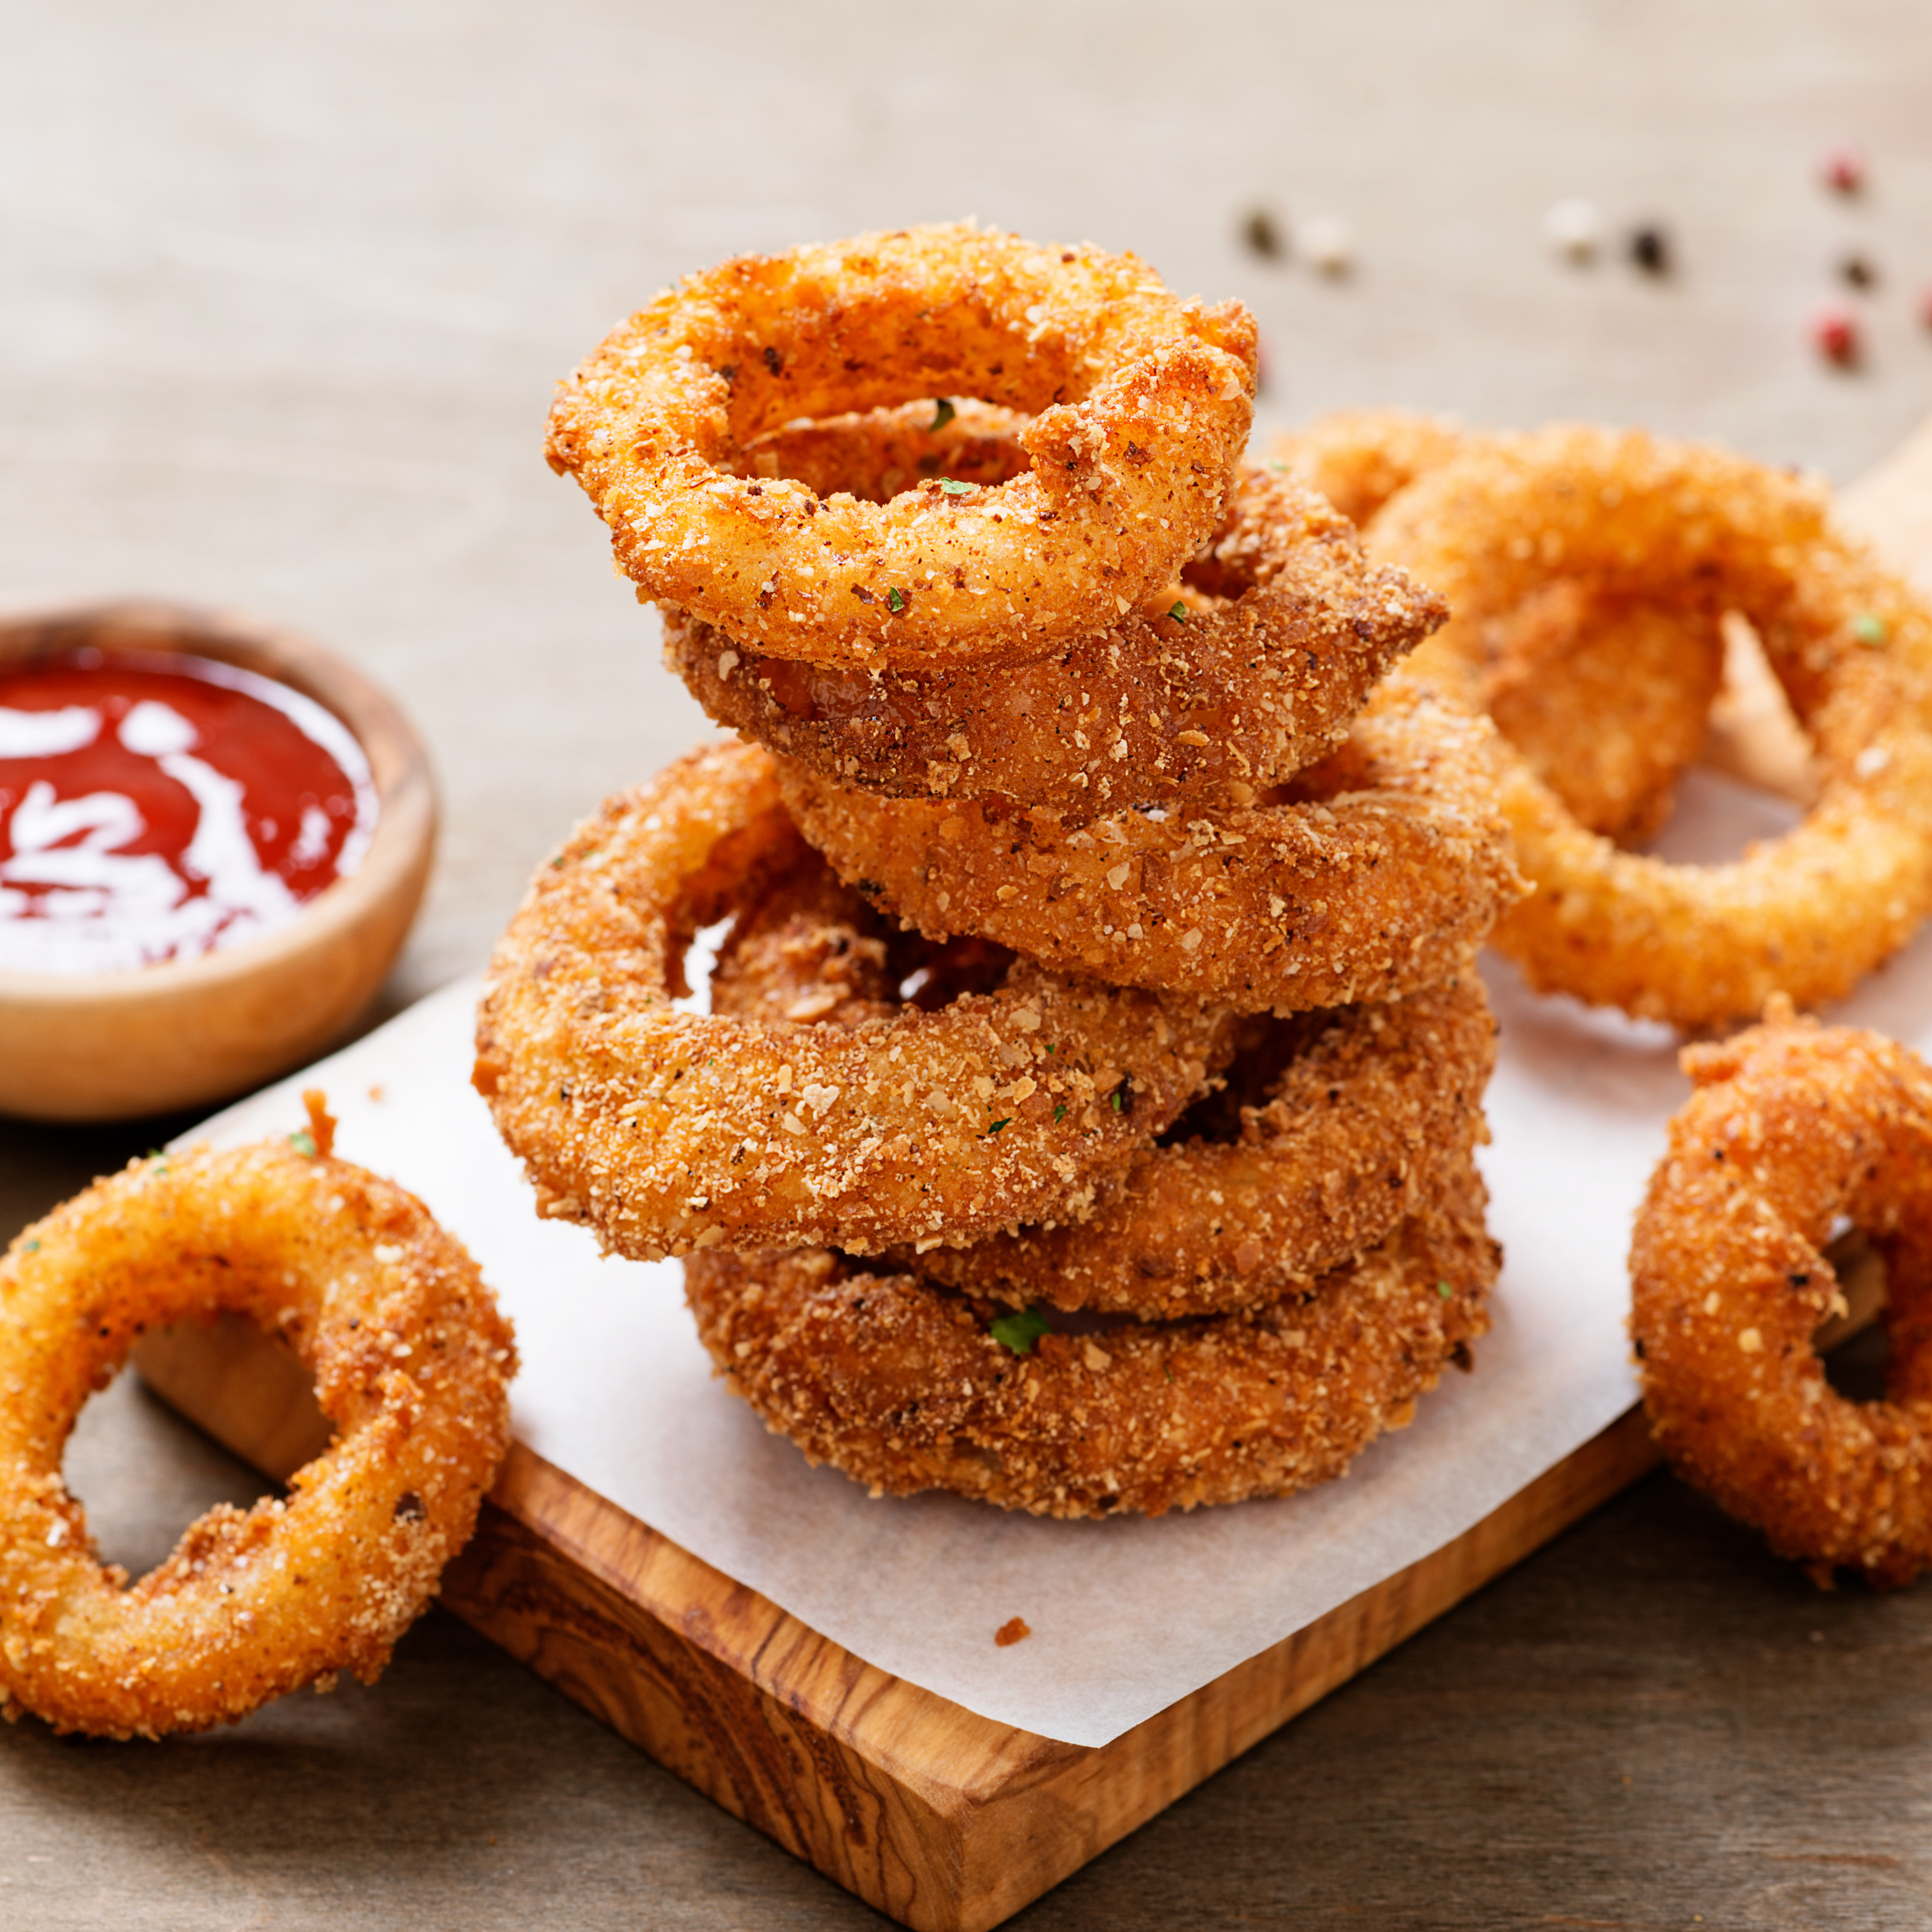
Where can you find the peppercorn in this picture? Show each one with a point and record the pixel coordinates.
(1834, 335)
(1650, 249)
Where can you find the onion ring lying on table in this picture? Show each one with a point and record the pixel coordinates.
(412, 1363)
(1141, 406)
(663, 1129)
(1792, 1126)
(905, 1386)
(1249, 668)
(1380, 873)
(1808, 914)
(1606, 697)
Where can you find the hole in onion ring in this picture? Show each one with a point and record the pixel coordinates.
(1718, 818)
(143, 1475)
(1854, 1345)
(1754, 774)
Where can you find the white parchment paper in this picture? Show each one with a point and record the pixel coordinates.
(1127, 1616)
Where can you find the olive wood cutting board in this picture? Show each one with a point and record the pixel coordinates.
(948, 1821)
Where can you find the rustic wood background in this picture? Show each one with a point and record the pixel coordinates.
(282, 292)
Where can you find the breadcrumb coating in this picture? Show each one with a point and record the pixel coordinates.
(412, 1364)
(1140, 404)
(904, 1386)
(1793, 1126)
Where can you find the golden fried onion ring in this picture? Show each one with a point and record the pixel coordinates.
(1353, 1134)
(664, 1129)
(903, 1386)
(1330, 1127)
(1790, 1127)
(1250, 668)
(1379, 876)
(411, 1361)
(1808, 914)
(1140, 405)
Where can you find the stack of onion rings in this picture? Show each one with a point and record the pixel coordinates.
(1792, 1127)
(657, 424)
(1054, 685)
(411, 1361)
(1807, 915)
(1251, 1310)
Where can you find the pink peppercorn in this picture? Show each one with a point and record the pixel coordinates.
(1844, 170)
(1835, 336)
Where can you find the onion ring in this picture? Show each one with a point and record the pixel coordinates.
(663, 1130)
(1808, 914)
(903, 1386)
(1606, 697)
(1790, 1127)
(1379, 876)
(1141, 407)
(1331, 1127)
(1352, 1136)
(1250, 668)
(412, 1363)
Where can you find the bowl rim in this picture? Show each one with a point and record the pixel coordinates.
(398, 764)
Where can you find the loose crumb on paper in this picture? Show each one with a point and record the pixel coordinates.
(1011, 1631)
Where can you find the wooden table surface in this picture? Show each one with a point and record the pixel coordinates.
(282, 293)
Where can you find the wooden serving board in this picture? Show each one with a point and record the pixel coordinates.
(948, 1821)
(944, 1820)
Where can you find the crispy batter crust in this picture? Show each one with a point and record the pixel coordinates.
(1378, 879)
(1328, 1129)
(1249, 669)
(663, 1130)
(1808, 915)
(1792, 1126)
(1140, 404)
(1355, 1134)
(412, 1364)
(901, 1385)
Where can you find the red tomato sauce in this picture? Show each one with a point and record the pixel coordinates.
(155, 807)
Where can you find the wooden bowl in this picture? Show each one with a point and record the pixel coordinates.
(113, 1045)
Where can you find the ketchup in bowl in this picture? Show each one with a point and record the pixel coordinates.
(156, 807)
